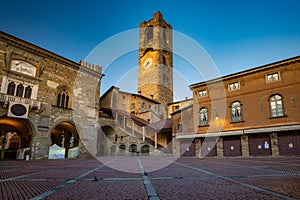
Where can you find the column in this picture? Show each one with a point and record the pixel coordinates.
(143, 133)
(274, 144)
(245, 145)
(155, 140)
(220, 147)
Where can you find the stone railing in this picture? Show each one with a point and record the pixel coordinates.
(9, 98)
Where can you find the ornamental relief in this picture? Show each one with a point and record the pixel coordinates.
(23, 67)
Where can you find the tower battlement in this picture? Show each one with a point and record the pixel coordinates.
(91, 66)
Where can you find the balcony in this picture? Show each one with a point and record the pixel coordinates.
(9, 98)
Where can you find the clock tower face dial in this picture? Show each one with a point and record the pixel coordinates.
(147, 63)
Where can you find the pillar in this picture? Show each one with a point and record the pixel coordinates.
(274, 144)
(220, 147)
(245, 145)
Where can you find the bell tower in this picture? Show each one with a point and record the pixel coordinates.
(155, 71)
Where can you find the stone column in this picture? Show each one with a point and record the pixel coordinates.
(274, 144)
(198, 147)
(245, 145)
(220, 147)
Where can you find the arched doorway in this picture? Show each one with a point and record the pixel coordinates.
(145, 149)
(133, 149)
(106, 138)
(15, 138)
(65, 135)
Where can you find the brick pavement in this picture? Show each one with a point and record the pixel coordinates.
(185, 178)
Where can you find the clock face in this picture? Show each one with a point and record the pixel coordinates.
(147, 63)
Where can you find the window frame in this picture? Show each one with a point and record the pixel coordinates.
(277, 113)
(202, 93)
(201, 121)
(232, 83)
(272, 80)
(63, 99)
(239, 117)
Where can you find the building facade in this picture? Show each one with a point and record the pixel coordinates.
(249, 113)
(44, 98)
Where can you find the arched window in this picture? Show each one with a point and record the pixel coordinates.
(149, 34)
(28, 91)
(203, 117)
(276, 106)
(11, 88)
(63, 99)
(236, 112)
(20, 89)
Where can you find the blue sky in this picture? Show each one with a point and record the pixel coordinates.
(237, 34)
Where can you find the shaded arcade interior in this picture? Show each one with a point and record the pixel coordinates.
(15, 138)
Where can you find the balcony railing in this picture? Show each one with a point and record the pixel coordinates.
(9, 98)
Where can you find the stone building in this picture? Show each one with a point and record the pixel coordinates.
(46, 100)
(249, 113)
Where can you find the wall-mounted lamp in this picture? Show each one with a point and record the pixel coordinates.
(217, 116)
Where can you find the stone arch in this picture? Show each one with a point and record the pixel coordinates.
(145, 149)
(105, 138)
(15, 137)
(133, 149)
(65, 134)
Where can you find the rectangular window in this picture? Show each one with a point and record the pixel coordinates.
(272, 77)
(234, 86)
(202, 93)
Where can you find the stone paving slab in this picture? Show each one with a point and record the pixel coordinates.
(184, 178)
(88, 189)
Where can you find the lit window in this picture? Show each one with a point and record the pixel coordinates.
(202, 93)
(272, 77)
(203, 117)
(236, 112)
(276, 106)
(234, 86)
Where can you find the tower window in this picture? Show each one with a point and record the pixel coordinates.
(149, 34)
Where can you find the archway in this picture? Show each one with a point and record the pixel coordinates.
(133, 149)
(15, 137)
(145, 149)
(65, 135)
(106, 136)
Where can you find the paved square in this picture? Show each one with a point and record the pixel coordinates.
(152, 178)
